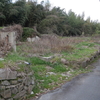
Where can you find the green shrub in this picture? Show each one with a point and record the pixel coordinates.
(28, 32)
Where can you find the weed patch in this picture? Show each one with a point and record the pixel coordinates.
(59, 68)
(81, 51)
(52, 73)
(36, 60)
(2, 64)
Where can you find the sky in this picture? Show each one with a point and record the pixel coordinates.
(91, 8)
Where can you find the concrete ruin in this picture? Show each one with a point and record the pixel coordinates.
(9, 38)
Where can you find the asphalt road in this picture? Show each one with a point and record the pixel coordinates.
(83, 87)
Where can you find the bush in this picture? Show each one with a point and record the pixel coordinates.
(28, 32)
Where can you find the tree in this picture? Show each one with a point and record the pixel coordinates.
(36, 14)
(4, 10)
(45, 20)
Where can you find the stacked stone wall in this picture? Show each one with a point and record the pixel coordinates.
(15, 85)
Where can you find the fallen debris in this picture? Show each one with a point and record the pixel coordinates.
(1, 59)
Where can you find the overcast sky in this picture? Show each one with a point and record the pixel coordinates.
(89, 7)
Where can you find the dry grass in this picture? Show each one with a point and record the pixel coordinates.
(51, 44)
(96, 38)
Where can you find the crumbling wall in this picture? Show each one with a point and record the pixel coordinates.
(7, 41)
(4, 46)
(15, 85)
(12, 34)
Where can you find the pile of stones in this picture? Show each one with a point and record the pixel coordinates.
(15, 85)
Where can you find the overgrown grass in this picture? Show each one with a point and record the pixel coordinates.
(14, 57)
(1, 64)
(36, 60)
(81, 51)
(48, 74)
(43, 80)
(1, 27)
(51, 44)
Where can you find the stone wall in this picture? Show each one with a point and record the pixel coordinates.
(87, 61)
(9, 37)
(15, 85)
